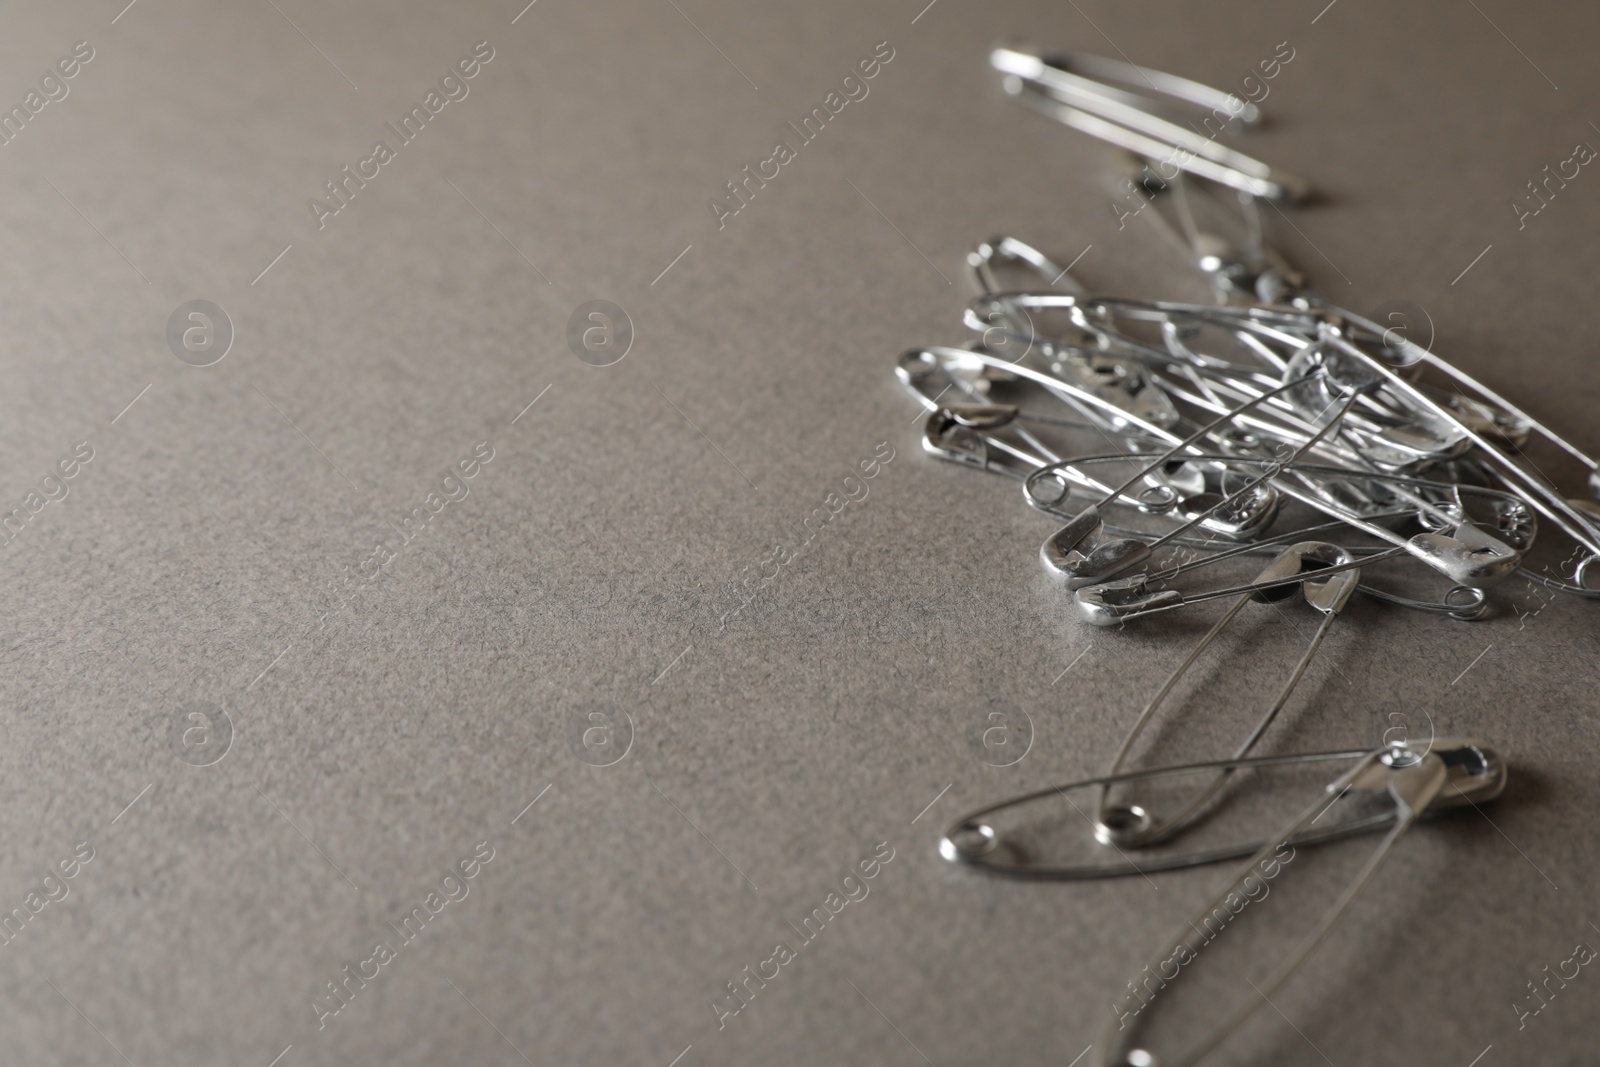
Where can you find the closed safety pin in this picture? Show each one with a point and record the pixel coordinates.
(1452, 545)
(1127, 120)
(995, 838)
(1448, 774)
(1460, 602)
(1132, 825)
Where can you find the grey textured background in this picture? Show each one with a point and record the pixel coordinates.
(586, 571)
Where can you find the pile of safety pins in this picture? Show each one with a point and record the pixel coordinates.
(1174, 437)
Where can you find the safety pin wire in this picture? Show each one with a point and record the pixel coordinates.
(1536, 490)
(1461, 377)
(1149, 831)
(1461, 602)
(1003, 249)
(1273, 470)
(1081, 104)
(1165, 457)
(1181, 600)
(1409, 807)
(971, 841)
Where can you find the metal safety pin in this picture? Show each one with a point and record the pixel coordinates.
(1460, 602)
(1127, 120)
(1409, 437)
(1116, 603)
(1005, 251)
(1092, 402)
(1575, 522)
(1502, 415)
(973, 839)
(1087, 521)
(1076, 569)
(999, 323)
(1451, 543)
(1323, 321)
(964, 433)
(1449, 774)
(1132, 825)
(1048, 486)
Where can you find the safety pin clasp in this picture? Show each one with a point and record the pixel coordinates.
(1466, 555)
(954, 432)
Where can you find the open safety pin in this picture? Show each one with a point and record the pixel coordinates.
(1132, 825)
(1414, 782)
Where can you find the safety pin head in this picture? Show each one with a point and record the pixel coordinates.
(954, 432)
(1236, 518)
(1475, 772)
(1077, 569)
(1328, 595)
(1112, 603)
(1467, 555)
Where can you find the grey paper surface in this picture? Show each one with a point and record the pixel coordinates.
(241, 570)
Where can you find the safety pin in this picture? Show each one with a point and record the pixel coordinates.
(1396, 436)
(1502, 415)
(1416, 783)
(1077, 569)
(1132, 825)
(1006, 251)
(1457, 548)
(917, 366)
(1100, 76)
(1333, 325)
(1576, 523)
(1087, 521)
(1115, 603)
(997, 321)
(963, 433)
(1460, 602)
(1466, 555)
(1162, 496)
(973, 839)
(1126, 120)
(1099, 404)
